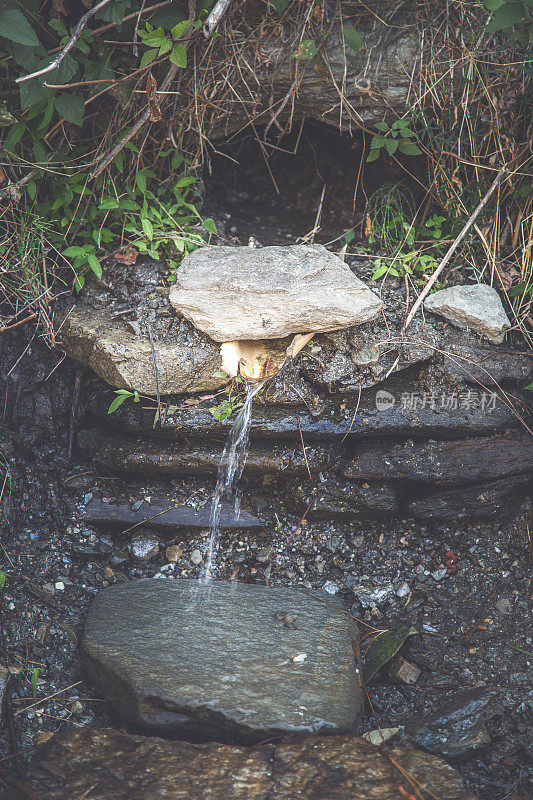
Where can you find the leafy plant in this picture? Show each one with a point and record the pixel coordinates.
(433, 227)
(391, 210)
(421, 265)
(121, 396)
(3, 577)
(231, 403)
(393, 138)
(515, 18)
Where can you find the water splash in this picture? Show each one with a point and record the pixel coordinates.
(231, 466)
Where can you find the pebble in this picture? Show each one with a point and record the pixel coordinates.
(59, 585)
(403, 589)
(196, 557)
(144, 546)
(330, 587)
(173, 553)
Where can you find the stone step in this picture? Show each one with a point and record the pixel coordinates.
(345, 500)
(337, 420)
(223, 659)
(485, 501)
(144, 457)
(448, 462)
(161, 515)
(107, 764)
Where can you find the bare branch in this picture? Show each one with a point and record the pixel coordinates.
(215, 16)
(68, 47)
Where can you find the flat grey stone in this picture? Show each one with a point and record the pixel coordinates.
(236, 293)
(478, 307)
(163, 515)
(216, 660)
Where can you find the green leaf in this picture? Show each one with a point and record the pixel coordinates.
(79, 283)
(95, 265)
(186, 181)
(373, 155)
(147, 58)
(506, 16)
(72, 252)
(118, 402)
(409, 149)
(32, 189)
(529, 387)
(14, 136)
(140, 180)
(15, 27)
(306, 50)
(383, 648)
(391, 145)
(31, 92)
(109, 203)
(178, 56)
(353, 39)
(70, 106)
(154, 38)
(147, 228)
(179, 29)
(209, 225)
(378, 141)
(165, 47)
(382, 126)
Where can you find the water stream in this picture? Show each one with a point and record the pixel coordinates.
(229, 472)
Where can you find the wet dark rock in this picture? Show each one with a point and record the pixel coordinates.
(334, 423)
(162, 514)
(107, 764)
(190, 659)
(475, 502)
(477, 459)
(345, 500)
(147, 458)
(473, 360)
(458, 728)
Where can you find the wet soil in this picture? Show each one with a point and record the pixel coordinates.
(464, 587)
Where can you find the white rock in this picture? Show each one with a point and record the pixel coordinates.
(477, 307)
(381, 735)
(238, 293)
(196, 557)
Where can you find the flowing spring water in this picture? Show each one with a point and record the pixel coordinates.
(231, 466)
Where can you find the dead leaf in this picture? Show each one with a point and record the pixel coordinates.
(368, 227)
(126, 255)
(151, 96)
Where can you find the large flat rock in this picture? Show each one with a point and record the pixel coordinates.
(236, 293)
(219, 660)
(113, 765)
